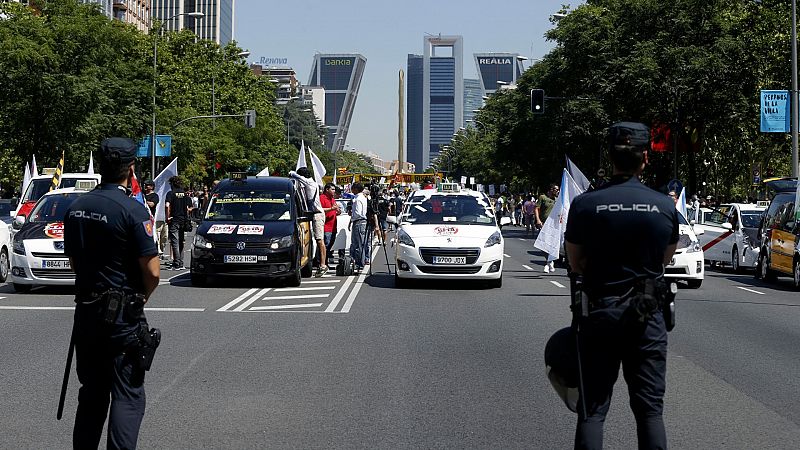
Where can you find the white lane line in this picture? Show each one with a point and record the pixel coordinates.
(360, 282)
(506, 255)
(317, 288)
(322, 282)
(557, 284)
(749, 290)
(237, 300)
(295, 297)
(252, 299)
(176, 309)
(268, 308)
(2, 298)
(176, 276)
(527, 267)
(523, 240)
(40, 308)
(340, 294)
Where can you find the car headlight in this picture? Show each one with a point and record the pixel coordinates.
(694, 247)
(284, 242)
(405, 239)
(201, 242)
(19, 246)
(493, 240)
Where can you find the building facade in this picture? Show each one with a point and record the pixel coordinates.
(340, 75)
(497, 69)
(473, 100)
(442, 93)
(217, 23)
(414, 82)
(314, 98)
(285, 78)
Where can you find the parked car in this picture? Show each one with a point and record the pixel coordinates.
(731, 235)
(780, 235)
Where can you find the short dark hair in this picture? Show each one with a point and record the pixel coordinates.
(628, 142)
(176, 182)
(329, 185)
(303, 171)
(357, 187)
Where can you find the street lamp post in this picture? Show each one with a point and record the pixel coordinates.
(795, 109)
(157, 31)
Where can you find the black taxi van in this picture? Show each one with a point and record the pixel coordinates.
(780, 235)
(254, 227)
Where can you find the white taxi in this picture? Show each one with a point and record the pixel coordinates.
(38, 257)
(731, 235)
(450, 234)
(687, 264)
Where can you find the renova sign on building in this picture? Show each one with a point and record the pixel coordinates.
(264, 61)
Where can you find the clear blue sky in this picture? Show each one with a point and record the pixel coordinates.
(385, 33)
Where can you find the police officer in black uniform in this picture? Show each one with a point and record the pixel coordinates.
(619, 238)
(108, 237)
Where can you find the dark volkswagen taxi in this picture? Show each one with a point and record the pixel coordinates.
(254, 227)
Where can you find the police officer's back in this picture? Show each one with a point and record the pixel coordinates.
(109, 239)
(619, 237)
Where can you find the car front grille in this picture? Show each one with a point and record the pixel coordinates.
(54, 274)
(48, 255)
(427, 253)
(246, 246)
(247, 269)
(451, 270)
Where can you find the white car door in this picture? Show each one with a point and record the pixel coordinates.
(717, 240)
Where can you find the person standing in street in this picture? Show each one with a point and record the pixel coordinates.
(178, 206)
(542, 211)
(529, 211)
(358, 226)
(331, 210)
(621, 274)
(152, 200)
(311, 190)
(108, 238)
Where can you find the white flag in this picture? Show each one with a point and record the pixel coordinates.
(463, 180)
(26, 180)
(578, 176)
(90, 170)
(319, 168)
(471, 180)
(552, 235)
(34, 169)
(491, 189)
(681, 204)
(301, 158)
(162, 187)
(263, 173)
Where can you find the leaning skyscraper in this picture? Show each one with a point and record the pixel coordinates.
(340, 75)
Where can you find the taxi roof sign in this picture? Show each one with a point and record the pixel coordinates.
(238, 176)
(85, 185)
(449, 187)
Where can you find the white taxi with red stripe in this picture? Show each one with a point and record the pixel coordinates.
(731, 235)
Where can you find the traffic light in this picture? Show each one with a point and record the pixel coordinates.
(537, 101)
(250, 118)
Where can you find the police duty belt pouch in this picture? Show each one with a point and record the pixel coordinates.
(146, 345)
(345, 266)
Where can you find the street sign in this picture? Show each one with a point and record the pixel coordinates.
(163, 146)
(775, 113)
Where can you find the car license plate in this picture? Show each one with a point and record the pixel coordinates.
(55, 264)
(449, 259)
(246, 259)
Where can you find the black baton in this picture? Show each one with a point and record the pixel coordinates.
(67, 370)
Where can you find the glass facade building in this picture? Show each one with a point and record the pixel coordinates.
(442, 94)
(414, 85)
(340, 75)
(494, 67)
(473, 100)
(217, 23)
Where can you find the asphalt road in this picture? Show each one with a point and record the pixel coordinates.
(354, 363)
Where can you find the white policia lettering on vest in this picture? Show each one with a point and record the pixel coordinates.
(89, 215)
(619, 207)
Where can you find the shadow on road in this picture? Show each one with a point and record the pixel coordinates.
(742, 302)
(385, 280)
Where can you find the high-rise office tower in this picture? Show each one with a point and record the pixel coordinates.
(504, 68)
(340, 75)
(473, 100)
(442, 93)
(136, 12)
(414, 83)
(216, 23)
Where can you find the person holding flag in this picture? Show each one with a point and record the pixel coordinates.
(311, 188)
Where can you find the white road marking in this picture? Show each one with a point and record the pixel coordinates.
(42, 308)
(558, 284)
(252, 300)
(269, 308)
(318, 288)
(749, 290)
(237, 300)
(322, 282)
(527, 267)
(506, 255)
(360, 282)
(2, 298)
(340, 294)
(176, 309)
(523, 240)
(176, 276)
(290, 297)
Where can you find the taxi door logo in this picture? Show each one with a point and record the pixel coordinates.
(55, 230)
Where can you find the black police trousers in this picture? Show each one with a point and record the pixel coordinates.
(614, 335)
(107, 374)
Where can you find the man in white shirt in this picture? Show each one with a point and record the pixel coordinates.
(311, 190)
(358, 225)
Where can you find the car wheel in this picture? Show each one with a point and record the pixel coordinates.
(295, 278)
(694, 284)
(796, 274)
(496, 284)
(766, 273)
(198, 280)
(21, 288)
(4, 265)
(307, 270)
(735, 265)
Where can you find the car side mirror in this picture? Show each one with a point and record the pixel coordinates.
(727, 226)
(19, 221)
(692, 222)
(698, 231)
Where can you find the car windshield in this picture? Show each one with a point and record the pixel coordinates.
(246, 206)
(52, 208)
(751, 220)
(37, 189)
(439, 209)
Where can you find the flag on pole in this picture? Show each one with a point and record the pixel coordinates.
(34, 169)
(681, 204)
(136, 191)
(301, 157)
(57, 175)
(552, 235)
(26, 180)
(577, 176)
(319, 168)
(263, 173)
(162, 186)
(90, 170)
